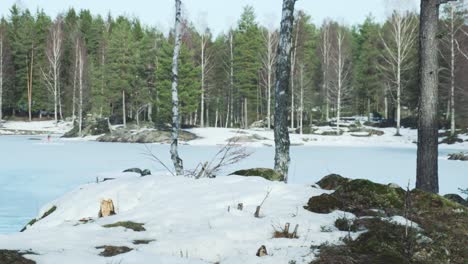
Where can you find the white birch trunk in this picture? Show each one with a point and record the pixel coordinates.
(301, 109)
(80, 81)
(283, 74)
(1, 74)
(124, 112)
(178, 164)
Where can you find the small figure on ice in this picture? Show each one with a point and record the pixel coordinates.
(49, 138)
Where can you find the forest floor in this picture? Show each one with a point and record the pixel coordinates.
(321, 136)
(182, 220)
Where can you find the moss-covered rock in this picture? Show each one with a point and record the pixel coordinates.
(450, 140)
(144, 136)
(110, 251)
(323, 204)
(92, 126)
(14, 257)
(33, 221)
(137, 227)
(456, 198)
(268, 174)
(458, 156)
(345, 224)
(359, 195)
(442, 236)
(332, 182)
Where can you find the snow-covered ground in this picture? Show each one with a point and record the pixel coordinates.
(182, 216)
(185, 215)
(34, 127)
(219, 136)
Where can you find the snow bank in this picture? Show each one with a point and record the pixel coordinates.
(183, 216)
(44, 127)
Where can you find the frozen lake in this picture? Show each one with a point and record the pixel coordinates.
(33, 173)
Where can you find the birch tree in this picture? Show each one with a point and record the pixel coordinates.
(54, 52)
(396, 54)
(293, 72)
(81, 82)
(178, 164)
(340, 87)
(205, 68)
(453, 24)
(2, 68)
(427, 178)
(325, 50)
(283, 75)
(269, 59)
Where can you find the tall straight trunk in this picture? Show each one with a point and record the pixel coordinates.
(178, 163)
(368, 109)
(269, 73)
(207, 114)
(228, 109)
(301, 110)
(217, 113)
(1, 75)
(386, 107)
(231, 78)
(293, 68)
(74, 83)
(202, 101)
(246, 114)
(427, 154)
(124, 112)
(452, 71)
(30, 84)
(55, 96)
(80, 81)
(398, 116)
(283, 75)
(59, 92)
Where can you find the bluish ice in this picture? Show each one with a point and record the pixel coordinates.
(33, 172)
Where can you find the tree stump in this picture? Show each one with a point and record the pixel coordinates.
(107, 208)
(261, 252)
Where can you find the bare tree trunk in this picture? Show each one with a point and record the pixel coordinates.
(1, 73)
(74, 83)
(398, 117)
(246, 114)
(80, 81)
(178, 164)
(293, 69)
(283, 75)
(30, 84)
(124, 112)
(386, 107)
(269, 63)
(202, 103)
(452, 70)
(427, 154)
(326, 46)
(231, 78)
(301, 110)
(217, 113)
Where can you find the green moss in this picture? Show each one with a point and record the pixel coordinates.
(138, 227)
(323, 204)
(345, 224)
(33, 221)
(332, 182)
(268, 174)
(49, 212)
(441, 239)
(358, 195)
(143, 241)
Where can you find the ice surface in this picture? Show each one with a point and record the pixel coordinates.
(33, 172)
